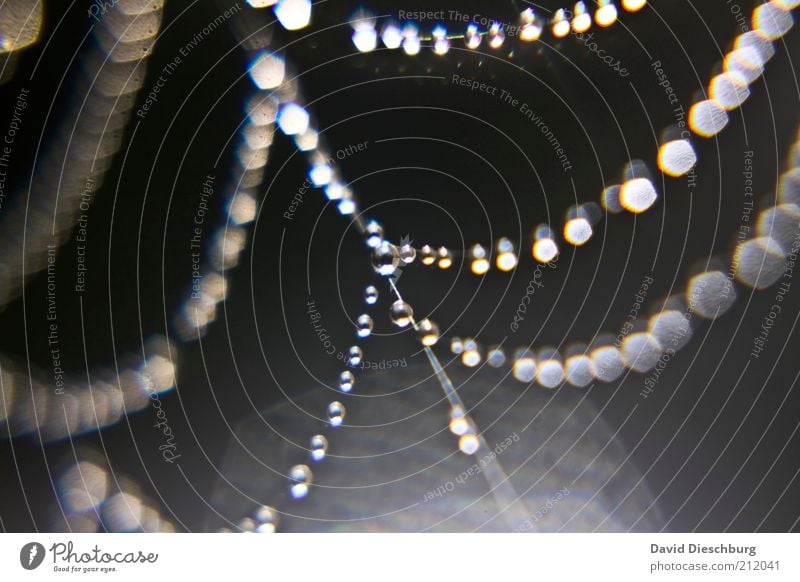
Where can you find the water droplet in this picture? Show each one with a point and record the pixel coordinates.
(364, 326)
(267, 519)
(301, 475)
(346, 381)
(371, 295)
(445, 258)
(456, 345)
(385, 259)
(354, 357)
(373, 234)
(408, 254)
(428, 332)
(428, 255)
(319, 447)
(401, 313)
(336, 412)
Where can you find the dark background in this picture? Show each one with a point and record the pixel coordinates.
(437, 193)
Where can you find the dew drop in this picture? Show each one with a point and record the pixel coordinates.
(336, 412)
(319, 447)
(354, 357)
(408, 254)
(301, 476)
(401, 313)
(346, 381)
(364, 326)
(370, 295)
(374, 234)
(385, 259)
(428, 332)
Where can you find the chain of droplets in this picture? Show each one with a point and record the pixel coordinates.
(530, 29)
(774, 244)
(676, 157)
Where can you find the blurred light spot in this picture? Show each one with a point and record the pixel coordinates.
(480, 262)
(707, 118)
(610, 199)
(471, 356)
(746, 61)
(267, 71)
(262, 110)
(606, 13)
(308, 140)
(293, 14)
(710, 294)
(391, 36)
(772, 20)
(608, 363)
(782, 223)
(292, 119)
(320, 174)
(759, 262)
(633, 5)
(468, 444)
(577, 231)
(579, 370)
(641, 351)
(581, 20)
(550, 373)
(365, 37)
(789, 187)
(20, 24)
(637, 195)
(676, 158)
(122, 513)
(524, 368)
(506, 257)
(671, 328)
(242, 208)
(560, 24)
(758, 41)
(84, 486)
(495, 357)
(729, 89)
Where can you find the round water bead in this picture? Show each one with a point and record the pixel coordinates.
(428, 255)
(267, 519)
(408, 253)
(428, 332)
(364, 325)
(371, 295)
(401, 313)
(374, 234)
(301, 475)
(354, 357)
(346, 381)
(456, 345)
(336, 412)
(385, 259)
(319, 447)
